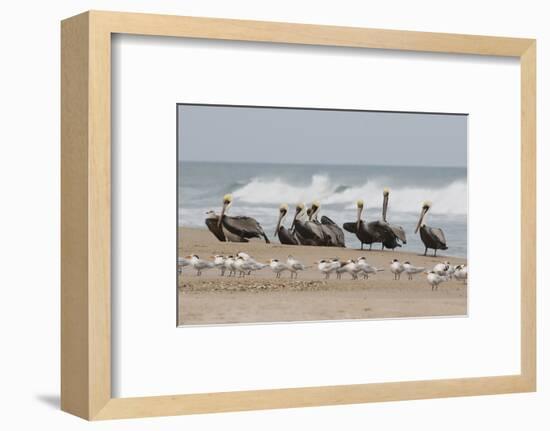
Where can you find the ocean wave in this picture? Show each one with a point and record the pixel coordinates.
(449, 199)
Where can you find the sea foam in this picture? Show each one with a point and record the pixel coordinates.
(449, 199)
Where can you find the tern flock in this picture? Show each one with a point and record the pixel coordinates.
(242, 265)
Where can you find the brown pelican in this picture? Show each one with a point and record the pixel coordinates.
(285, 236)
(333, 235)
(432, 237)
(308, 232)
(367, 233)
(220, 232)
(241, 226)
(395, 233)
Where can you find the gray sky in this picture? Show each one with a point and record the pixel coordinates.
(275, 135)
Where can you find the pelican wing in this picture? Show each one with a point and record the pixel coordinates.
(337, 234)
(245, 227)
(340, 237)
(317, 229)
(286, 237)
(231, 237)
(221, 233)
(334, 235)
(379, 230)
(351, 227)
(438, 234)
(379, 224)
(302, 240)
(212, 225)
(310, 233)
(326, 220)
(399, 232)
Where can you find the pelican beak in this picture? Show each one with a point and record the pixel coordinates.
(296, 214)
(385, 206)
(422, 214)
(315, 208)
(224, 208)
(359, 212)
(282, 213)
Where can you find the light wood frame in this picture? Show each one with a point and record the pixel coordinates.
(86, 213)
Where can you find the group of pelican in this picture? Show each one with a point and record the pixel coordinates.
(307, 229)
(242, 264)
(378, 231)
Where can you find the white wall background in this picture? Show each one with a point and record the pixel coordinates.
(29, 212)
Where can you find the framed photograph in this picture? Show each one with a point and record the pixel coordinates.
(353, 209)
(315, 168)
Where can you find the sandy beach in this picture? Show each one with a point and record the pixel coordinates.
(260, 297)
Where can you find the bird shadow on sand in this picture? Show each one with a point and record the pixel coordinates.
(51, 400)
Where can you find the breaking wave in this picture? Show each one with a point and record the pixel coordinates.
(450, 198)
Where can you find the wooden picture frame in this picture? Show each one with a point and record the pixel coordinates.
(86, 213)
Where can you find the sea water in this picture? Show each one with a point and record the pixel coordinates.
(259, 189)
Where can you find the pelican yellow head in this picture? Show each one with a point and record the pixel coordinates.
(300, 207)
(227, 199)
(314, 209)
(360, 204)
(386, 191)
(283, 209)
(425, 207)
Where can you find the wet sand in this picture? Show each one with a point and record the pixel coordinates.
(260, 297)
